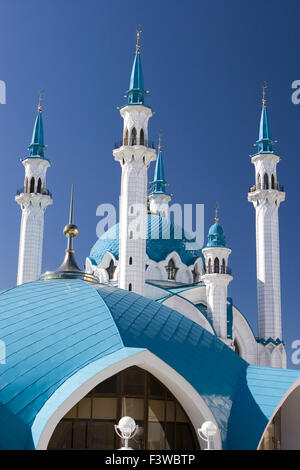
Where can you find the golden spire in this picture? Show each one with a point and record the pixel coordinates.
(40, 101)
(217, 213)
(264, 101)
(159, 141)
(138, 32)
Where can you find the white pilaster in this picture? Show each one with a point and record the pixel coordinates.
(134, 157)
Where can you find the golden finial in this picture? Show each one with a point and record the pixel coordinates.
(159, 141)
(264, 101)
(217, 213)
(70, 229)
(138, 32)
(40, 101)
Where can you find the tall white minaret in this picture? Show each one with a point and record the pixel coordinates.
(158, 197)
(266, 196)
(217, 277)
(33, 200)
(134, 155)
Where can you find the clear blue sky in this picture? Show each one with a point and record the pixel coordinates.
(204, 63)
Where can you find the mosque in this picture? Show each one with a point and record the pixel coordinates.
(147, 330)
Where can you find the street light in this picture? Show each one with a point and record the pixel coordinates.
(207, 431)
(126, 429)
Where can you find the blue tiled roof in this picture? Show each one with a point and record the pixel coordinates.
(158, 245)
(58, 333)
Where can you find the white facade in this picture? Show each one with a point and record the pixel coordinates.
(33, 202)
(159, 204)
(134, 157)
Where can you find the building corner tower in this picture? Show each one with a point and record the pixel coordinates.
(158, 197)
(266, 196)
(33, 199)
(134, 155)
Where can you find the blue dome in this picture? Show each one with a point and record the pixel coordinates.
(159, 243)
(61, 333)
(216, 236)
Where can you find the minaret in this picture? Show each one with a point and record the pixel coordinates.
(158, 198)
(217, 277)
(134, 155)
(33, 200)
(266, 196)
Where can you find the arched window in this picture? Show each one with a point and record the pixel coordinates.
(223, 266)
(39, 186)
(258, 182)
(266, 181)
(131, 235)
(171, 270)
(142, 137)
(273, 182)
(130, 260)
(126, 137)
(216, 265)
(209, 266)
(26, 185)
(111, 270)
(133, 136)
(32, 185)
(130, 287)
(163, 423)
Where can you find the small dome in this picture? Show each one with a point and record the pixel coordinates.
(216, 236)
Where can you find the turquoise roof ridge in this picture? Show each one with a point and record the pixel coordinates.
(158, 185)
(37, 146)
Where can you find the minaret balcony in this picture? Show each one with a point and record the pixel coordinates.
(221, 270)
(258, 187)
(146, 143)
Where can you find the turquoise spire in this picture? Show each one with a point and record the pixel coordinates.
(216, 235)
(136, 92)
(264, 142)
(37, 146)
(158, 185)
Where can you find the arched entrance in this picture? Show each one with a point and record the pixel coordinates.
(163, 424)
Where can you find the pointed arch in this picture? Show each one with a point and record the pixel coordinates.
(171, 270)
(223, 266)
(111, 269)
(216, 265)
(32, 183)
(125, 142)
(142, 137)
(266, 181)
(39, 186)
(133, 137)
(272, 181)
(209, 266)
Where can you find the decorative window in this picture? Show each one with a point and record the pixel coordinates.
(130, 260)
(223, 267)
(133, 136)
(111, 269)
(258, 182)
(39, 186)
(216, 265)
(171, 270)
(130, 287)
(32, 185)
(209, 266)
(142, 137)
(266, 181)
(273, 182)
(126, 137)
(163, 423)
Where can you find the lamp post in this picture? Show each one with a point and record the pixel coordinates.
(207, 431)
(126, 429)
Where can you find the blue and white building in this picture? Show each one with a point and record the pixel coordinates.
(148, 329)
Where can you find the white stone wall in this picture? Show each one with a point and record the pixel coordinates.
(159, 204)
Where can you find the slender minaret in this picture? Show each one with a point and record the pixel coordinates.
(134, 156)
(158, 198)
(217, 277)
(33, 200)
(266, 196)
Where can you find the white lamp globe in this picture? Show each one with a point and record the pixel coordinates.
(126, 426)
(208, 429)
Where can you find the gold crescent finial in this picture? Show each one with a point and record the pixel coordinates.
(138, 32)
(159, 141)
(217, 213)
(40, 101)
(264, 101)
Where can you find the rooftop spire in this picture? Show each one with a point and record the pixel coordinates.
(136, 92)
(69, 268)
(264, 142)
(217, 213)
(37, 146)
(159, 183)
